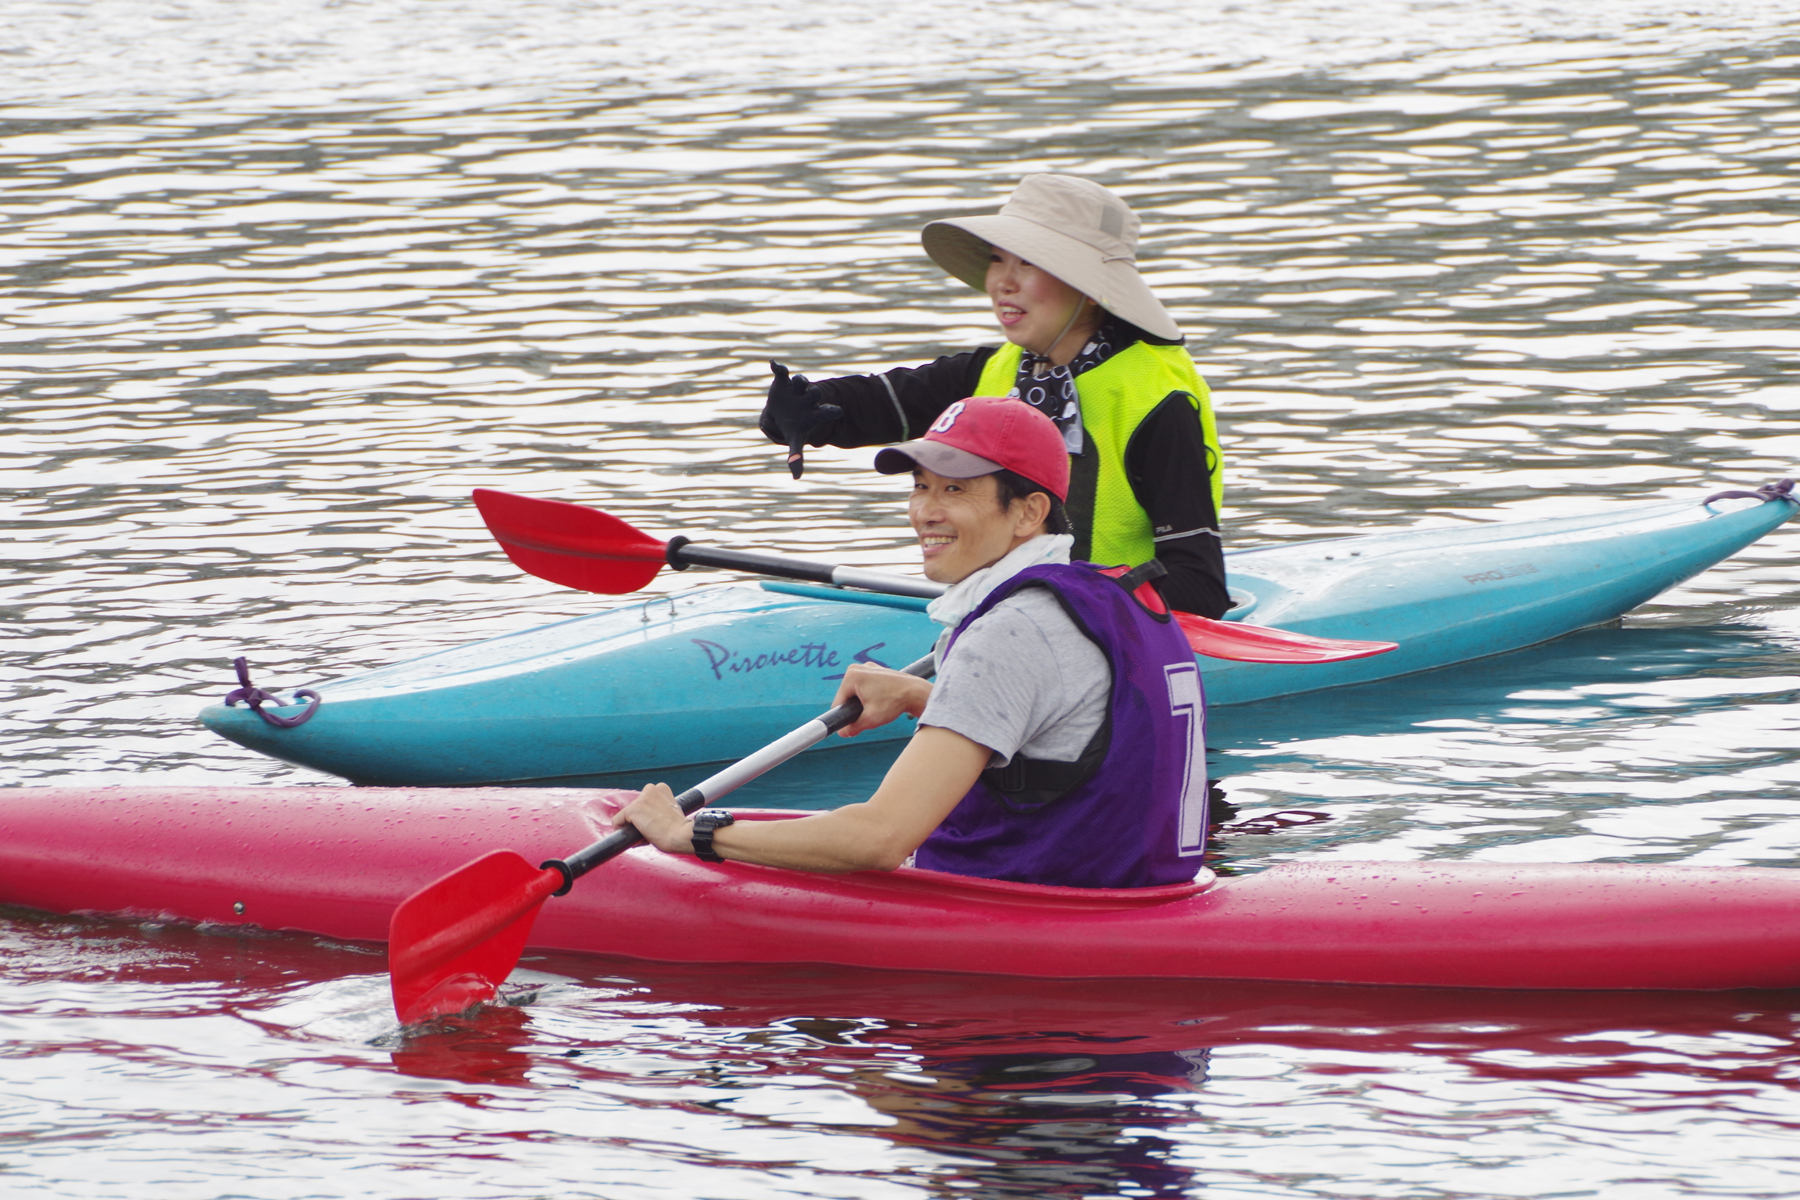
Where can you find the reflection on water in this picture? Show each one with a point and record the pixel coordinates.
(285, 281)
(265, 1060)
(1056, 1123)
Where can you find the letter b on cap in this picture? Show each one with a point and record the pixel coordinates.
(947, 418)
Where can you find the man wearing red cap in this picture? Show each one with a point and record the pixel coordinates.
(1064, 740)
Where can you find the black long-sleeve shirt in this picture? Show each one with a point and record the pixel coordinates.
(1166, 462)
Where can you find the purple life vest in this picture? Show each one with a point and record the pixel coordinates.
(1132, 812)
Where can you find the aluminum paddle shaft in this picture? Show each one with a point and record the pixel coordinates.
(727, 781)
(682, 553)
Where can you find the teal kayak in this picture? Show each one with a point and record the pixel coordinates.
(713, 673)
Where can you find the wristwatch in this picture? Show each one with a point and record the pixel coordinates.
(704, 826)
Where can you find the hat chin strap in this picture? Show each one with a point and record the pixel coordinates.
(1067, 325)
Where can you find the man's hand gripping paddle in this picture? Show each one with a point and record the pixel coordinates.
(594, 551)
(452, 943)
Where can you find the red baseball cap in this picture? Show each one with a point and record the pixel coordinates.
(984, 434)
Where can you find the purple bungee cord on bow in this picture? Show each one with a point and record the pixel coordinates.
(1781, 489)
(255, 697)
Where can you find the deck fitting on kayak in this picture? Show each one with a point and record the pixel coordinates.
(1780, 489)
(255, 697)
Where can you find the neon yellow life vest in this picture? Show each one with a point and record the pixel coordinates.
(1111, 527)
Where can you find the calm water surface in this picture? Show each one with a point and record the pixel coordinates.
(286, 280)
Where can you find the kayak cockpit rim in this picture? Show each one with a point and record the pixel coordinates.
(971, 888)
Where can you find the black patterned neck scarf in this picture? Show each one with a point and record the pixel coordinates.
(1051, 390)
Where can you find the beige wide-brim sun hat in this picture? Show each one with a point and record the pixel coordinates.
(1073, 228)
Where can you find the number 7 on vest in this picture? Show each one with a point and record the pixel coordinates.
(1186, 704)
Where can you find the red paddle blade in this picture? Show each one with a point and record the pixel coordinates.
(452, 943)
(1254, 643)
(570, 544)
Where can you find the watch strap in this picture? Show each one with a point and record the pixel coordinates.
(704, 826)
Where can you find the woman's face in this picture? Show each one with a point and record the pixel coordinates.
(1033, 306)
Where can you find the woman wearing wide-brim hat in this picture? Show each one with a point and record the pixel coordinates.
(1091, 347)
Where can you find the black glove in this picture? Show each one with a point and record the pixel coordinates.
(794, 414)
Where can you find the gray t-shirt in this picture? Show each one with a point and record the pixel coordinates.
(1023, 679)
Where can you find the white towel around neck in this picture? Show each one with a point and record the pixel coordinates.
(966, 595)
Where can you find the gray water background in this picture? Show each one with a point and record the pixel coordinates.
(286, 280)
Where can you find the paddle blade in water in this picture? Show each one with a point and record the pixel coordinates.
(452, 943)
(570, 544)
(1253, 643)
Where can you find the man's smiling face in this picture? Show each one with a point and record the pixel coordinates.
(961, 526)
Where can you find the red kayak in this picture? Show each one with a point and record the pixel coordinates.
(336, 861)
